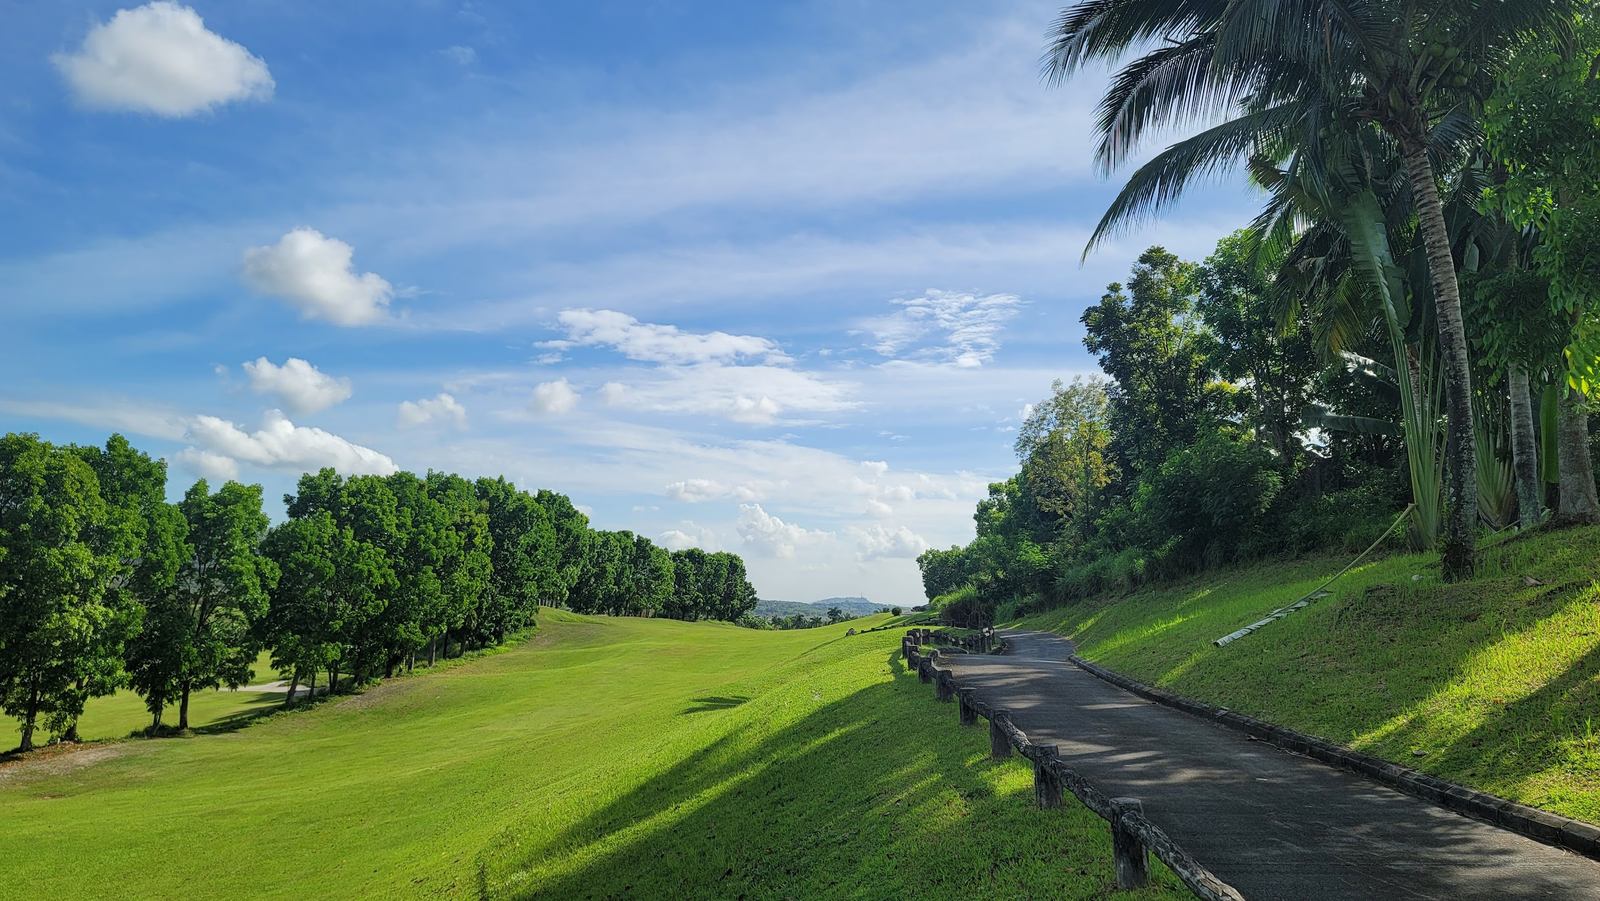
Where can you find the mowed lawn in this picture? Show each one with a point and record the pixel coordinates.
(1494, 682)
(604, 758)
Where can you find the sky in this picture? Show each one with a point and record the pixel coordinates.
(770, 278)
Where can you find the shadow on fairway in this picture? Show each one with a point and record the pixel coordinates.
(873, 795)
(701, 705)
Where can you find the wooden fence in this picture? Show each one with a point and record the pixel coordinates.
(1133, 838)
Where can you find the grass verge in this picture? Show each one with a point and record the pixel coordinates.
(1494, 683)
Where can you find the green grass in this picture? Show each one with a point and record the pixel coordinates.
(121, 714)
(1494, 683)
(604, 758)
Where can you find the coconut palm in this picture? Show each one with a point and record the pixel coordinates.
(1278, 72)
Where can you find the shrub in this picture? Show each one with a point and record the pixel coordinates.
(894, 611)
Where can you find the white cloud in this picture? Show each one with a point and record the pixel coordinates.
(769, 536)
(688, 536)
(314, 273)
(759, 395)
(878, 508)
(463, 55)
(160, 58)
(877, 541)
(966, 327)
(696, 490)
(280, 444)
(301, 386)
(444, 408)
(554, 398)
(208, 465)
(649, 342)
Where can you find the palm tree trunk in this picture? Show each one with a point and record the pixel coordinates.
(1461, 471)
(1524, 458)
(1578, 502)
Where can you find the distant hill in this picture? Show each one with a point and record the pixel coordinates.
(851, 606)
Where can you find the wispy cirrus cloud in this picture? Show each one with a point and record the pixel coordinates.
(964, 328)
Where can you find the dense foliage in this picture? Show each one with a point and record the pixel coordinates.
(105, 584)
(1376, 339)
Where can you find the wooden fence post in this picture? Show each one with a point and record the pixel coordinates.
(999, 742)
(925, 670)
(1046, 787)
(1132, 857)
(969, 710)
(944, 686)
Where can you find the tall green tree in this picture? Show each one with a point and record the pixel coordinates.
(1275, 74)
(58, 554)
(467, 570)
(222, 588)
(151, 549)
(526, 558)
(1162, 392)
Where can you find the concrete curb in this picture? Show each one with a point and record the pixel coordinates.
(1540, 825)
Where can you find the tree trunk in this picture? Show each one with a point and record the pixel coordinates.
(1461, 471)
(1578, 502)
(1524, 456)
(29, 718)
(183, 710)
(433, 646)
(155, 719)
(311, 690)
(289, 698)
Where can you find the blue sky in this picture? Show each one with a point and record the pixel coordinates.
(769, 278)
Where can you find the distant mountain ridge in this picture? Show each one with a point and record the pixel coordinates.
(854, 606)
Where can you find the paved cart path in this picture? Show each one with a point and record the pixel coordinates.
(1272, 824)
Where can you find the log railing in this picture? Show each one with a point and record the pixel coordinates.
(1133, 838)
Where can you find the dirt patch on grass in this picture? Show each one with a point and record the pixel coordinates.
(58, 760)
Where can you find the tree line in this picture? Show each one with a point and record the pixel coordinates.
(104, 584)
(1409, 322)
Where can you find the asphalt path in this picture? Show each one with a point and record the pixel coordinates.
(1274, 825)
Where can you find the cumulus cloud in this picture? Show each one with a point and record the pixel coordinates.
(280, 444)
(554, 398)
(652, 343)
(877, 541)
(314, 273)
(211, 466)
(160, 58)
(696, 490)
(966, 328)
(690, 535)
(443, 408)
(299, 385)
(769, 536)
(878, 508)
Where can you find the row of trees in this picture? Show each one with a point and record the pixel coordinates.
(1407, 321)
(103, 583)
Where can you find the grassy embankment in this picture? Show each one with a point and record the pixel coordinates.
(1494, 683)
(605, 758)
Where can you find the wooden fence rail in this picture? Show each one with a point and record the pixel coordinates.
(1133, 838)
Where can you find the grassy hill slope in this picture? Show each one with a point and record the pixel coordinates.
(1493, 682)
(605, 758)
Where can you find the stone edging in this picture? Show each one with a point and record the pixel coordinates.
(1540, 825)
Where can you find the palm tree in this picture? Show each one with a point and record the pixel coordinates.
(1284, 72)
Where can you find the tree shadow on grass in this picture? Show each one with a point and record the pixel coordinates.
(875, 795)
(702, 705)
(1543, 749)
